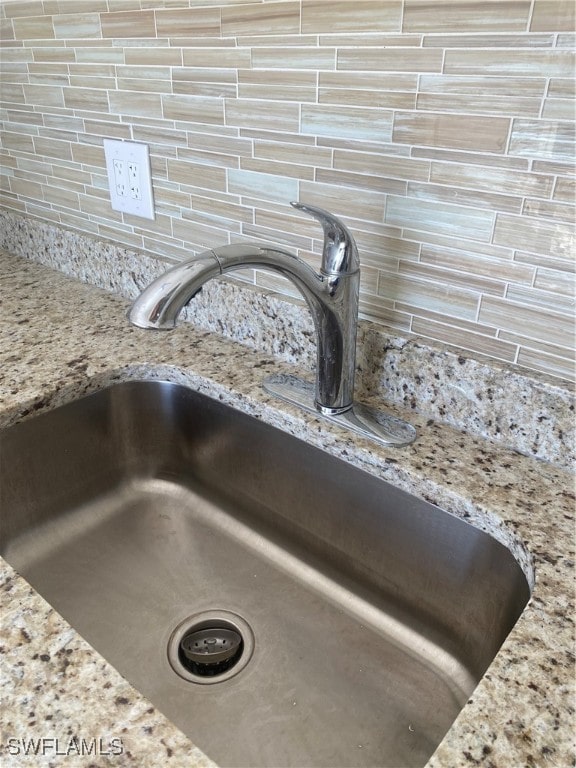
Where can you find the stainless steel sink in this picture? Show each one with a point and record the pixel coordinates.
(364, 617)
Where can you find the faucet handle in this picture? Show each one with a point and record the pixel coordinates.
(339, 254)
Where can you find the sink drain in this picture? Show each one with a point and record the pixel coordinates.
(210, 647)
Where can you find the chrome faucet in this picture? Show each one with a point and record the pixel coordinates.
(332, 296)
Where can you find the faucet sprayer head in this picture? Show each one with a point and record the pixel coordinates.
(339, 254)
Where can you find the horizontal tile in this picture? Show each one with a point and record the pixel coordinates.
(458, 16)
(418, 293)
(86, 99)
(349, 122)
(77, 25)
(551, 365)
(510, 63)
(371, 40)
(293, 58)
(561, 88)
(558, 109)
(379, 164)
(549, 210)
(464, 339)
(477, 158)
(153, 56)
(536, 235)
(33, 28)
(344, 16)
(133, 103)
(197, 175)
(546, 261)
(533, 87)
(278, 18)
(533, 322)
(183, 22)
(292, 153)
(193, 109)
(553, 15)
(361, 181)
(370, 81)
(543, 139)
(535, 297)
(490, 179)
(363, 97)
(344, 202)
(490, 200)
(452, 277)
(475, 263)
(479, 104)
(565, 190)
(251, 113)
(555, 281)
(487, 134)
(390, 59)
(288, 170)
(262, 186)
(216, 57)
(126, 24)
(277, 77)
(520, 40)
(452, 220)
(300, 93)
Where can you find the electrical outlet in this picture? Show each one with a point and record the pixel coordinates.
(128, 166)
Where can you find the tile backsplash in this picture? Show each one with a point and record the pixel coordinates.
(441, 132)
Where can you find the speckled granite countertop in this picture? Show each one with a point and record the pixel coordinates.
(61, 338)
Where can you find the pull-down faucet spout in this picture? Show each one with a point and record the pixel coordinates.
(331, 294)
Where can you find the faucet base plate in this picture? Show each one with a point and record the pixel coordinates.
(361, 419)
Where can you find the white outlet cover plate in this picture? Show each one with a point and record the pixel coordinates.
(124, 199)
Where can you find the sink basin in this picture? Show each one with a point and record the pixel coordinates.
(159, 521)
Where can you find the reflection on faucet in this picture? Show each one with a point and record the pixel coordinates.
(332, 296)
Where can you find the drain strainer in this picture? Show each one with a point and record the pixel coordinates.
(210, 647)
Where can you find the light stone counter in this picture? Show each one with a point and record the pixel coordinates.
(61, 339)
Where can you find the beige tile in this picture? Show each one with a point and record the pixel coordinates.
(422, 294)
(520, 40)
(444, 218)
(344, 202)
(562, 367)
(530, 296)
(33, 28)
(537, 323)
(153, 56)
(292, 153)
(216, 57)
(86, 99)
(543, 140)
(562, 88)
(102, 83)
(126, 24)
(487, 134)
(462, 338)
(535, 235)
(277, 93)
(561, 168)
(533, 87)
(549, 210)
(555, 281)
(361, 181)
(491, 201)
(132, 103)
(52, 148)
(6, 30)
(294, 58)
(479, 104)
(459, 16)
(559, 109)
(44, 95)
(12, 93)
(510, 63)
(347, 122)
(452, 277)
(252, 113)
(197, 175)
(262, 186)
(363, 97)
(553, 15)
(565, 190)
(370, 81)
(98, 55)
(390, 59)
(193, 109)
(472, 262)
(77, 25)
(378, 164)
(490, 179)
(566, 40)
(23, 8)
(54, 54)
(472, 158)
(289, 170)
(546, 261)
(372, 40)
(188, 22)
(278, 18)
(350, 17)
